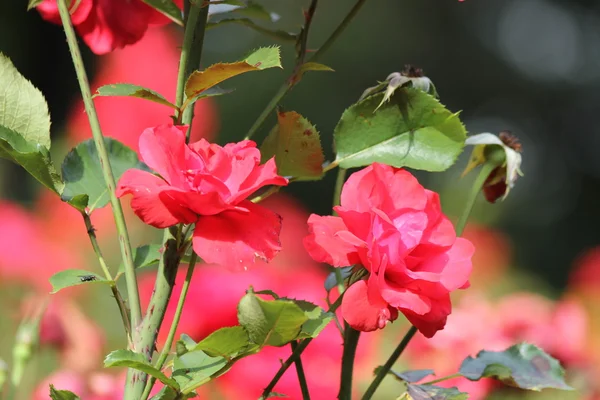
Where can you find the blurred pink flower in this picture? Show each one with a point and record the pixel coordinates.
(493, 253)
(125, 118)
(106, 25)
(559, 328)
(27, 253)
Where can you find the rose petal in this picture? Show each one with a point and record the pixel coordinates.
(363, 315)
(433, 321)
(164, 150)
(451, 268)
(237, 239)
(324, 244)
(154, 201)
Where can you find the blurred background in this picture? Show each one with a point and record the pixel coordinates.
(528, 66)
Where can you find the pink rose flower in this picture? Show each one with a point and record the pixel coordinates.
(106, 25)
(206, 184)
(395, 228)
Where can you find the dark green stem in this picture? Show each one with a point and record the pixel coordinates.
(178, 311)
(301, 375)
(486, 169)
(113, 286)
(292, 80)
(385, 369)
(351, 337)
(339, 184)
(295, 355)
(109, 179)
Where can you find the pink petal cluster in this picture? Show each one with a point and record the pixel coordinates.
(395, 228)
(206, 184)
(106, 25)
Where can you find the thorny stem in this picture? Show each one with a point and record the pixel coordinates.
(124, 243)
(295, 354)
(301, 375)
(171, 336)
(383, 371)
(113, 286)
(293, 79)
(167, 267)
(486, 169)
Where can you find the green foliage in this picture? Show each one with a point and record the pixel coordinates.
(226, 342)
(430, 392)
(199, 81)
(523, 365)
(62, 394)
(411, 130)
(414, 375)
(296, 146)
(143, 256)
(130, 90)
(272, 323)
(168, 8)
(277, 34)
(166, 393)
(74, 277)
(25, 126)
(33, 4)
(24, 109)
(184, 344)
(195, 368)
(82, 173)
(131, 359)
(317, 319)
(309, 66)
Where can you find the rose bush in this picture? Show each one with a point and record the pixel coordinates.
(395, 228)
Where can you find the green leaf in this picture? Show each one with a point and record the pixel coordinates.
(226, 342)
(33, 3)
(317, 319)
(62, 394)
(34, 158)
(272, 395)
(263, 58)
(130, 90)
(411, 130)
(131, 359)
(24, 109)
(184, 344)
(309, 66)
(275, 34)
(195, 368)
(74, 277)
(166, 393)
(331, 280)
(25, 126)
(430, 392)
(272, 322)
(413, 375)
(168, 8)
(268, 292)
(82, 172)
(143, 256)
(523, 365)
(296, 146)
